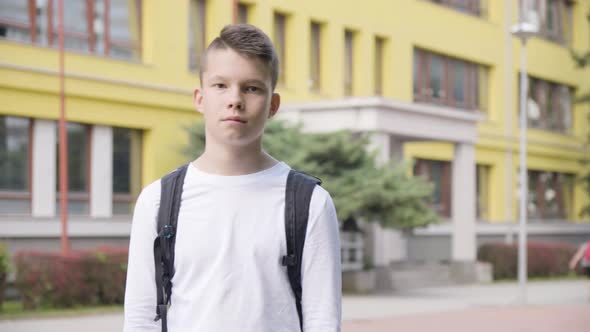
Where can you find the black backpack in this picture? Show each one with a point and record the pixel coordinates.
(297, 198)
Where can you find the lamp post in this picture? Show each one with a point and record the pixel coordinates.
(63, 138)
(525, 29)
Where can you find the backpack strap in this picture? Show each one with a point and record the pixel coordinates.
(297, 198)
(170, 195)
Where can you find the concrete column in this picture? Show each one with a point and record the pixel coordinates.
(399, 246)
(381, 142)
(101, 172)
(463, 204)
(386, 245)
(44, 168)
(396, 149)
(375, 244)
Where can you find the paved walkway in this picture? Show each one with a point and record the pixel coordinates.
(552, 307)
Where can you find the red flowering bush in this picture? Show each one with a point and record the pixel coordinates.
(79, 278)
(543, 259)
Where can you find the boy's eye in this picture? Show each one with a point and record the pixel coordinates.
(219, 85)
(252, 89)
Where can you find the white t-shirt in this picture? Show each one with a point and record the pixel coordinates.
(229, 244)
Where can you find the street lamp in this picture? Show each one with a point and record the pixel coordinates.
(526, 28)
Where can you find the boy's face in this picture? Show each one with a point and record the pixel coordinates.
(236, 98)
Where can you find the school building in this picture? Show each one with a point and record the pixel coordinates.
(434, 81)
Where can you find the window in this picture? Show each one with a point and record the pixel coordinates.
(243, 13)
(15, 165)
(549, 106)
(104, 27)
(439, 173)
(196, 33)
(348, 62)
(550, 195)
(473, 7)
(280, 39)
(78, 169)
(482, 187)
(451, 82)
(378, 72)
(126, 169)
(315, 57)
(554, 18)
(16, 21)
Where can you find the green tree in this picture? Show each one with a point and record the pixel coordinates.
(360, 188)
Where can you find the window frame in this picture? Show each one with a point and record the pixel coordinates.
(423, 167)
(541, 204)
(89, 36)
(547, 96)
(6, 194)
(280, 40)
(379, 65)
(195, 51)
(77, 196)
(348, 79)
(472, 7)
(243, 13)
(423, 90)
(315, 66)
(562, 33)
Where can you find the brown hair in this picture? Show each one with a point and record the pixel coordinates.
(248, 41)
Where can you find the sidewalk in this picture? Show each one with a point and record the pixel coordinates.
(552, 306)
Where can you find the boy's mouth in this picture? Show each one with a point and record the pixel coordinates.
(236, 119)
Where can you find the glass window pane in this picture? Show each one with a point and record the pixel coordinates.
(78, 167)
(315, 56)
(482, 175)
(348, 62)
(550, 195)
(242, 13)
(550, 15)
(196, 32)
(436, 175)
(436, 76)
(77, 157)
(565, 103)
(280, 44)
(14, 20)
(76, 32)
(14, 165)
(379, 45)
(126, 169)
(532, 207)
(124, 28)
(482, 88)
(121, 160)
(416, 71)
(14, 154)
(459, 83)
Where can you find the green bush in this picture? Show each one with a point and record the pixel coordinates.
(543, 259)
(4, 269)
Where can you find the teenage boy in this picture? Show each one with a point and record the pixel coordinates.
(231, 223)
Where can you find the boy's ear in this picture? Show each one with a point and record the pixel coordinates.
(275, 102)
(198, 99)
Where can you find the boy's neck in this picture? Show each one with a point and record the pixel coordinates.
(234, 161)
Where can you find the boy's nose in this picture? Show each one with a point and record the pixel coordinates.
(235, 101)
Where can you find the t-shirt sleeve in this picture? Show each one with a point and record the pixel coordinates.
(321, 270)
(140, 290)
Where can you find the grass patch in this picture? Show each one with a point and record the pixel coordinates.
(14, 310)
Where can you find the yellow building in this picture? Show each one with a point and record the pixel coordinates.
(444, 71)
